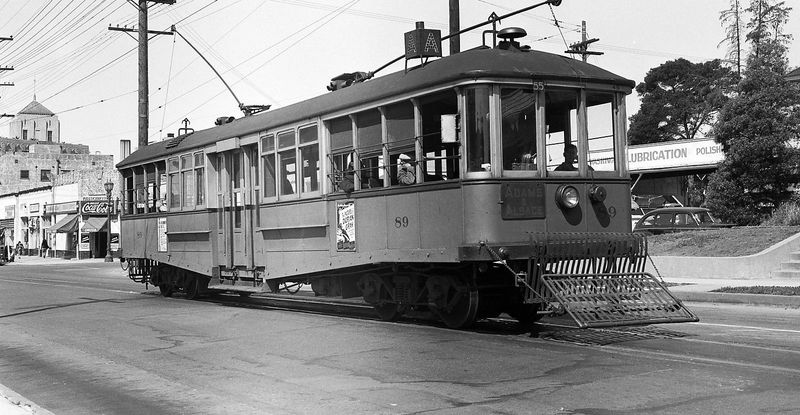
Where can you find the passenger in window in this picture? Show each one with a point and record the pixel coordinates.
(405, 170)
(286, 187)
(570, 158)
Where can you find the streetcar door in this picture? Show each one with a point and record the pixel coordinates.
(233, 246)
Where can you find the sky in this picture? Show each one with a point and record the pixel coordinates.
(278, 52)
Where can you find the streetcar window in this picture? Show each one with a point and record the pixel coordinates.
(441, 160)
(268, 159)
(288, 172)
(309, 159)
(187, 179)
(151, 175)
(600, 124)
(477, 128)
(128, 196)
(174, 183)
(342, 176)
(140, 195)
(370, 148)
(518, 108)
(401, 142)
(199, 178)
(561, 127)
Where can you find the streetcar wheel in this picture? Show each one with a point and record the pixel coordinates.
(388, 311)
(166, 289)
(525, 314)
(192, 288)
(462, 310)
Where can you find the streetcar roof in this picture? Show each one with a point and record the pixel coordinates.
(479, 63)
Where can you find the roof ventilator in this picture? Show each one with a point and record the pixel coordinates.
(508, 35)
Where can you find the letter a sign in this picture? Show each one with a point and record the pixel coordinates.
(423, 43)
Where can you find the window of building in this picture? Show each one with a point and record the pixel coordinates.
(24, 174)
(49, 135)
(44, 175)
(24, 134)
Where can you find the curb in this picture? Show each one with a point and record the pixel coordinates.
(789, 301)
(12, 403)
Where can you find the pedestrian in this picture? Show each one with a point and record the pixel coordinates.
(20, 247)
(45, 248)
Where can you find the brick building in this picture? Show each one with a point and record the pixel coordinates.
(44, 184)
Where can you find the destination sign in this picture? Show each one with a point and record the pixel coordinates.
(522, 200)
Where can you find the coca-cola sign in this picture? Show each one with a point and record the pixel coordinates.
(96, 208)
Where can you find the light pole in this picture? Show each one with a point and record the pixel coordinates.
(109, 186)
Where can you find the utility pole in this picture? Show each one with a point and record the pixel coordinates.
(455, 26)
(6, 68)
(582, 47)
(144, 91)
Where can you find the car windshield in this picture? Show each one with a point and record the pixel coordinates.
(705, 218)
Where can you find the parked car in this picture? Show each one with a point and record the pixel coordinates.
(677, 219)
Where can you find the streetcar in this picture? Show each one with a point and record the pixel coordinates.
(485, 182)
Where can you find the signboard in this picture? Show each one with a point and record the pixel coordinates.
(84, 245)
(345, 226)
(33, 208)
(685, 153)
(99, 208)
(115, 242)
(66, 207)
(423, 43)
(162, 234)
(522, 200)
(9, 211)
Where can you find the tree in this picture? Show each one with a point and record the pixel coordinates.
(757, 126)
(679, 100)
(732, 21)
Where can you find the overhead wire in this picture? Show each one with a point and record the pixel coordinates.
(330, 16)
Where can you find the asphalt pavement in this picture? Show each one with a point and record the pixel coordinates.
(685, 289)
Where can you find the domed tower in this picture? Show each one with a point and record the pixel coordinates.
(37, 123)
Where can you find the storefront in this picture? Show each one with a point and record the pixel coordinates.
(93, 232)
(62, 235)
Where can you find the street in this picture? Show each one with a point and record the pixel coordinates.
(78, 337)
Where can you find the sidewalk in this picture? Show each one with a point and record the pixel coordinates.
(37, 260)
(12, 403)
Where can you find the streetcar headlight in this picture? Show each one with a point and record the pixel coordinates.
(567, 196)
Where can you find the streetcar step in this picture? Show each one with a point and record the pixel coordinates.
(616, 299)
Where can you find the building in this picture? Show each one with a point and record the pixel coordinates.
(51, 190)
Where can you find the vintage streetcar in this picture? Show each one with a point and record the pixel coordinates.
(489, 181)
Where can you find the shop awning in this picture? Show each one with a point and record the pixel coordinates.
(68, 224)
(94, 224)
(7, 223)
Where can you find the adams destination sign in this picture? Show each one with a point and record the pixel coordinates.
(677, 155)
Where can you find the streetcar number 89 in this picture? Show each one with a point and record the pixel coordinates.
(401, 222)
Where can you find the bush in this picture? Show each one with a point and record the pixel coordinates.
(787, 213)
